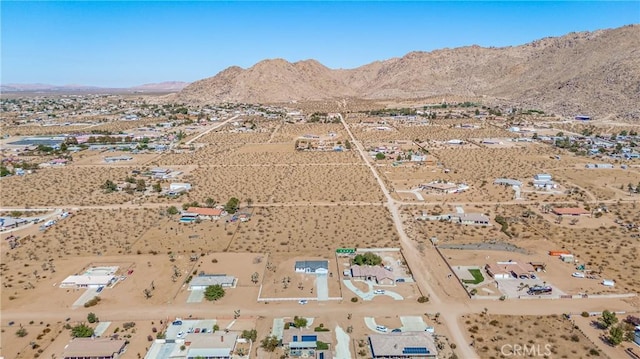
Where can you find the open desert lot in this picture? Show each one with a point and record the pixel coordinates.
(503, 336)
(604, 184)
(314, 230)
(280, 184)
(437, 131)
(262, 154)
(64, 186)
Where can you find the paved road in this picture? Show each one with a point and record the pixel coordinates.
(211, 129)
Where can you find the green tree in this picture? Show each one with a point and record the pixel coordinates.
(141, 186)
(299, 322)
(250, 335)
(270, 343)
(608, 319)
(4, 171)
(214, 292)
(616, 335)
(380, 156)
(92, 318)
(108, 186)
(210, 202)
(368, 258)
(22, 332)
(172, 210)
(232, 205)
(81, 331)
(157, 187)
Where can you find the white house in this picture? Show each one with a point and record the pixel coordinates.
(202, 281)
(418, 158)
(312, 266)
(177, 186)
(87, 281)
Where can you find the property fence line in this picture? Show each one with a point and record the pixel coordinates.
(294, 299)
(365, 250)
(452, 271)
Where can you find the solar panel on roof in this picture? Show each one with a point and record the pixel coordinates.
(415, 350)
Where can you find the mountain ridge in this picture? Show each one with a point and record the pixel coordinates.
(581, 72)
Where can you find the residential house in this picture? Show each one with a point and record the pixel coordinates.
(206, 213)
(478, 219)
(573, 211)
(306, 343)
(377, 274)
(440, 187)
(321, 266)
(94, 348)
(87, 281)
(202, 281)
(403, 345)
(506, 270)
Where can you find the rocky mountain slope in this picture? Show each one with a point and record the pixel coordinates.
(596, 73)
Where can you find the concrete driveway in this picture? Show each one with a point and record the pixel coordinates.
(413, 324)
(342, 345)
(391, 294)
(278, 328)
(196, 296)
(370, 322)
(322, 287)
(364, 296)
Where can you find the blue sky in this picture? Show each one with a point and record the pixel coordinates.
(130, 43)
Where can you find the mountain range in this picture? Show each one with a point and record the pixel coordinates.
(169, 86)
(595, 73)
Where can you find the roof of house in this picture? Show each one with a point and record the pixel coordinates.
(574, 211)
(202, 211)
(207, 280)
(88, 347)
(313, 265)
(371, 271)
(507, 181)
(287, 335)
(442, 186)
(474, 217)
(88, 279)
(218, 340)
(400, 345)
(508, 267)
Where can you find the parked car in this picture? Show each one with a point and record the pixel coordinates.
(397, 330)
(302, 301)
(578, 275)
(378, 291)
(381, 328)
(177, 322)
(100, 288)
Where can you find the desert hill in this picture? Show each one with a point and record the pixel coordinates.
(596, 73)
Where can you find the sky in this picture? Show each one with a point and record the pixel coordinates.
(128, 43)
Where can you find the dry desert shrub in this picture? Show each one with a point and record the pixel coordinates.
(325, 183)
(64, 186)
(289, 132)
(500, 336)
(315, 229)
(98, 232)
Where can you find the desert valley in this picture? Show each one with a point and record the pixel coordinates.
(462, 203)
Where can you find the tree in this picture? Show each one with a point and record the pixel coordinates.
(4, 171)
(254, 277)
(380, 156)
(157, 187)
(232, 205)
(172, 210)
(249, 335)
(141, 186)
(249, 202)
(210, 202)
(299, 322)
(368, 258)
(92, 318)
(270, 343)
(608, 319)
(81, 331)
(214, 292)
(21, 332)
(616, 335)
(108, 186)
